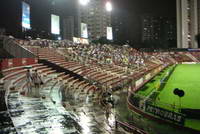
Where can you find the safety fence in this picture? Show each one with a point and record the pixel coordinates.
(130, 128)
(13, 48)
(155, 107)
(15, 62)
(151, 103)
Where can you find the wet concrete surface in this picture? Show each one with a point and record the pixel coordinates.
(6, 124)
(82, 115)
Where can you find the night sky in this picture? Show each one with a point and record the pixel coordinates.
(131, 10)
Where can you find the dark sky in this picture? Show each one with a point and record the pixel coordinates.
(41, 10)
(131, 10)
(9, 15)
(159, 7)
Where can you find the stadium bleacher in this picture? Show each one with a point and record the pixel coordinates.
(85, 70)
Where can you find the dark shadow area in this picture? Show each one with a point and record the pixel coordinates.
(60, 69)
(191, 113)
(3, 53)
(2, 100)
(145, 87)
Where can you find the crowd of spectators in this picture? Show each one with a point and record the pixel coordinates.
(44, 43)
(123, 56)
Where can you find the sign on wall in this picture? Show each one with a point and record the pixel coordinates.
(26, 16)
(84, 31)
(55, 24)
(165, 114)
(109, 33)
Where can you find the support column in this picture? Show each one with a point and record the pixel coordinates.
(182, 23)
(187, 23)
(178, 14)
(194, 23)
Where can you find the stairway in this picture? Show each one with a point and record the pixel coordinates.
(192, 57)
(172, 59)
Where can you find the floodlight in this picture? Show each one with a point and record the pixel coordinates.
(84, 2)
(108, 6)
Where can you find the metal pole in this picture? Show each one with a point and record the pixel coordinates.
(180, 104)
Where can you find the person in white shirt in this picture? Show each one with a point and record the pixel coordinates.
(37, 81)
(29, 81)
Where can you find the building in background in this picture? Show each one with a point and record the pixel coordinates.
(68, 28)
(97, 18)
(188, 24)
(2, 31)
(198, 12)
(158, 31)
(119, 23)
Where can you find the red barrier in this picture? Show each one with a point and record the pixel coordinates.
(0, 65)
(15, 62)
(4, 64)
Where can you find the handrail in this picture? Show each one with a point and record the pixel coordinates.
(15, 49)
(135, 129)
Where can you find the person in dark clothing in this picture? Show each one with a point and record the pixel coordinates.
(37, 82)
(1, 64)
(29, 81)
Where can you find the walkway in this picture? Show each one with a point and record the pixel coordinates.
(83, 114)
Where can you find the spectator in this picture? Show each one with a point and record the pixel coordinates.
(1, 64)
(62, 91)
(29, 82)
(37, 82)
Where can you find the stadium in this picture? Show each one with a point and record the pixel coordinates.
(139, 92)
(80, 67)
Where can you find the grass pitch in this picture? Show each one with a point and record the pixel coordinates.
(185, 77)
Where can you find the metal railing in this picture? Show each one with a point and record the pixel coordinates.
(130, 128)
(11, 46)
(156, 107)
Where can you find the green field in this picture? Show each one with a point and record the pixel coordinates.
(185, 77)
(152, 85)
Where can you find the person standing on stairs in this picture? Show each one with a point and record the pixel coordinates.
(62, 91)
(1, 62)
(29, 80)
(37, 82)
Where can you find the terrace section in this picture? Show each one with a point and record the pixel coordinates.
(114, 76)
(53, 112)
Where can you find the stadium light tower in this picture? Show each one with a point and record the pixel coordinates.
(84, 2)
(108, 6)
